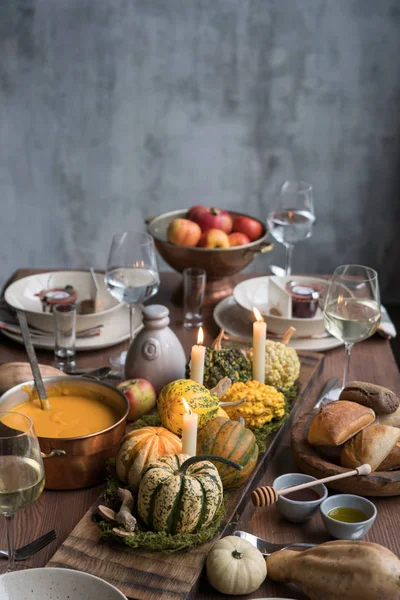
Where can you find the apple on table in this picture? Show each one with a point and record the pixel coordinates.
(141, 396)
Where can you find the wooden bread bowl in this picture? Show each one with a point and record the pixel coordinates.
(378, 483)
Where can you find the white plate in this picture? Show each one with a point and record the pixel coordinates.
(22, 295)
(114, 332)
(49, 584)
(254, 292)
(230, 316)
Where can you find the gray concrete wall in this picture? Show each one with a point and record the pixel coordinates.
(112, 110)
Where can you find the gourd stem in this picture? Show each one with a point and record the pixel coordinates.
(237, 554)
(236, 403)
(194, 459)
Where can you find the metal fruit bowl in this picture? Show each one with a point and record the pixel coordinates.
(219, 263)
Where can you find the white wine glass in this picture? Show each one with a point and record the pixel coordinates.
(21, 470)
(352, 310)
(291, 217)
(132, 275)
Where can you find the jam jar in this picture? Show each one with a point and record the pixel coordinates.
(304, 299)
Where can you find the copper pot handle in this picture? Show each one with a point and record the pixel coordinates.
(263, 249)
(53, 453)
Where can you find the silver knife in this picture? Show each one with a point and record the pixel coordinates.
(330, 384)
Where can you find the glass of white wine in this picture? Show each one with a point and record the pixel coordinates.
(132, 275)
(21, 470)
(352, 310)
(291, 217)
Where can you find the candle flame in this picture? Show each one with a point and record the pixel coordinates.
(290, 215)
(257, 314)
(340, 299)
(200, 337)
(186, 406)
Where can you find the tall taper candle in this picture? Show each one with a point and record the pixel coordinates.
(189, 430)
(197, 359)
(259, 340)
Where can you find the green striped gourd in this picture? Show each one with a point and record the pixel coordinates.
(179, 494)
(229, 439)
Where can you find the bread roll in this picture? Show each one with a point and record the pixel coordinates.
(392, 461)
(393, 420)
(337, 422)
(380, 399)
(372, 445)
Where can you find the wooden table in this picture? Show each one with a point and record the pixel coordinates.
(371, 361)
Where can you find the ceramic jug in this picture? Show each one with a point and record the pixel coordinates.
(156, 354)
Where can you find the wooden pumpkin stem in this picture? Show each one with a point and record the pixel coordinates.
(237, 554)
(217, 343)
(287, 335)
(194, 459)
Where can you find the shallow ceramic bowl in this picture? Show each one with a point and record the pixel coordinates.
(294, 510)
(348, 531)
(217, 262)
(253, 292)
(21, 295)
(49, 584)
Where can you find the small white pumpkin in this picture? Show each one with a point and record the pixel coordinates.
(235, 567)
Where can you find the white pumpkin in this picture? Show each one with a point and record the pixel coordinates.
(235, 567)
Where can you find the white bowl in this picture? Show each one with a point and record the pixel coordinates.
(49, 584)
(22, 295)
(348, 531)
(294, 510)
(252, 292)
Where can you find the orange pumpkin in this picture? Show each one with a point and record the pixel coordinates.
(142, 446)
(229, 439)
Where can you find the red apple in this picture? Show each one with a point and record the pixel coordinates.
(141, 397)
(183, 232)
(250, 227)
(214, 238)
(238, 239)
(211, 218)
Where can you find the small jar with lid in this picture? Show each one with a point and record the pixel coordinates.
(305, 299)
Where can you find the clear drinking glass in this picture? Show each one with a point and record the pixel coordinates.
(352, 310)
(65, 334)
(132, 275)
(194, 287)
(21, 470)
(291, 217)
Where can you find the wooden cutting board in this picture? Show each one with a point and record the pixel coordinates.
(154, 575)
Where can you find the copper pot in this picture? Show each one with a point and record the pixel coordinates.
(219, 263)
(73, 463)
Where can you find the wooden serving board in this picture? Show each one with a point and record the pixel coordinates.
(379, 483)
(153, 575)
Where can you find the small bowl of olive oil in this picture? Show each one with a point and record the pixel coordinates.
(348, 517)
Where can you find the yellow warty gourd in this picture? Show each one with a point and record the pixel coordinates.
(263, 403)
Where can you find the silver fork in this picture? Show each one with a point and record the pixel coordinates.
(267, 548)
(33, 547)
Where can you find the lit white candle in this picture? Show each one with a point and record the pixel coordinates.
(189, 430)
(197, 359)
(259, 339)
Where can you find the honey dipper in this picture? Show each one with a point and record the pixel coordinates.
(267, 495)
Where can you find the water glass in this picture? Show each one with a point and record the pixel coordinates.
(194, 287)
(65, 334)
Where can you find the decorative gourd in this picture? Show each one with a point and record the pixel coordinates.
(202, 401)
(14, 373)
(342, 570)
(222, 362)
(222, 413)
(229, 439)
(179, 494)
(140, 447)
(235, 567)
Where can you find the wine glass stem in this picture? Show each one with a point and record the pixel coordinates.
(348, 348)
(131, 322)
(289, 252)
(10, 541)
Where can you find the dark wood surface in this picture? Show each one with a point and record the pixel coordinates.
(372, 360)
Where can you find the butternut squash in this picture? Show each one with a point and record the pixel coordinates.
(14, 373)
(340, 570)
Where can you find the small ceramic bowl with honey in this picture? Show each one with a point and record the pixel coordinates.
(300, 505)
(348, 517)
